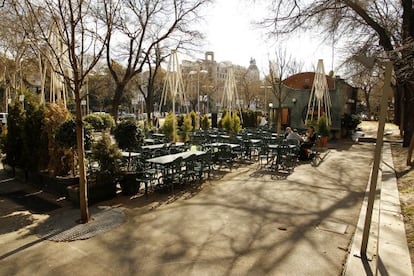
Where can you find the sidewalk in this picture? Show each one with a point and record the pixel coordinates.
(387, 252)
(247, 222)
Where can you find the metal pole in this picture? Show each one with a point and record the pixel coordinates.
(198, 91)
(377, 157)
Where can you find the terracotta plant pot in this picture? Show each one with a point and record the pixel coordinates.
(323, 141)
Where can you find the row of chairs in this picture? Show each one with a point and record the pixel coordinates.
(283, 156)
(181, 171)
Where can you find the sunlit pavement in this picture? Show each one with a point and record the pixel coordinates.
(249, 222)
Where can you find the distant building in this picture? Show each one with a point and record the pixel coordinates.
(297, 88)
(252, 71)
(216, 73)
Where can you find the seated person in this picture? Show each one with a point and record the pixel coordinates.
(293, 135)
(288, 130)
(263, 122)
(309, 141)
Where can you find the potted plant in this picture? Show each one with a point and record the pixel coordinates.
(323, 131)
(129, 138)
(205, 123)
(170, 127)
(186, 128)
(102, 183)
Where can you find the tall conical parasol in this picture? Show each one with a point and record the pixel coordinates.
(230, 100)
(173, 85)
(319, 100)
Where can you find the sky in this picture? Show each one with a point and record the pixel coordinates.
(231, 36)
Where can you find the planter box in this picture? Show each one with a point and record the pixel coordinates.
(323, 142)
(16, 172)
(95, 194)
(129, 184)
(8, 169)
(57, 184)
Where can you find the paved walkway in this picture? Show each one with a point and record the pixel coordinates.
(248, 222)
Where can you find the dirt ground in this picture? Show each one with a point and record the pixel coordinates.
(405, 177)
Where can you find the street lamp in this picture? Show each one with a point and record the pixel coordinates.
(198, 72)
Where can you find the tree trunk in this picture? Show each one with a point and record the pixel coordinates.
(408, 112)
(279, 121)
(119, 90)
(410, 151)
(83, 185)
(368, 105)
(150, 108)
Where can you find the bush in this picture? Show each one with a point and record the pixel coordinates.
(350, 122)
(107, 155)
(108, 120)
(227, 123)
(194, 121)
(66, 135)
(14, 140)
(187, 127)
(237, 127)
(100, 121)
(220, 122)
(55, 115)
(128, 135)
(205, 123)
(231, 122)
(170, 127)
(35, 142)
(95, 121)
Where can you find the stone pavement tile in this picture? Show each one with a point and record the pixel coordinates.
(244, 223)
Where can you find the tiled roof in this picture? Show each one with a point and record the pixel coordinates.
(305, 81)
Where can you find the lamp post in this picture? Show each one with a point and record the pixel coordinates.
(198, 72)
(271, 115)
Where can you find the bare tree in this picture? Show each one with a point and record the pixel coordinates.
(282, 66)
(250, 86)
(152, 82)
(367, 81)
(143, 27)
(75, 25)
(372, 26)
(15, 47)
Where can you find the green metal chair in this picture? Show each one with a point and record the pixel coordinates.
(173, 173)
